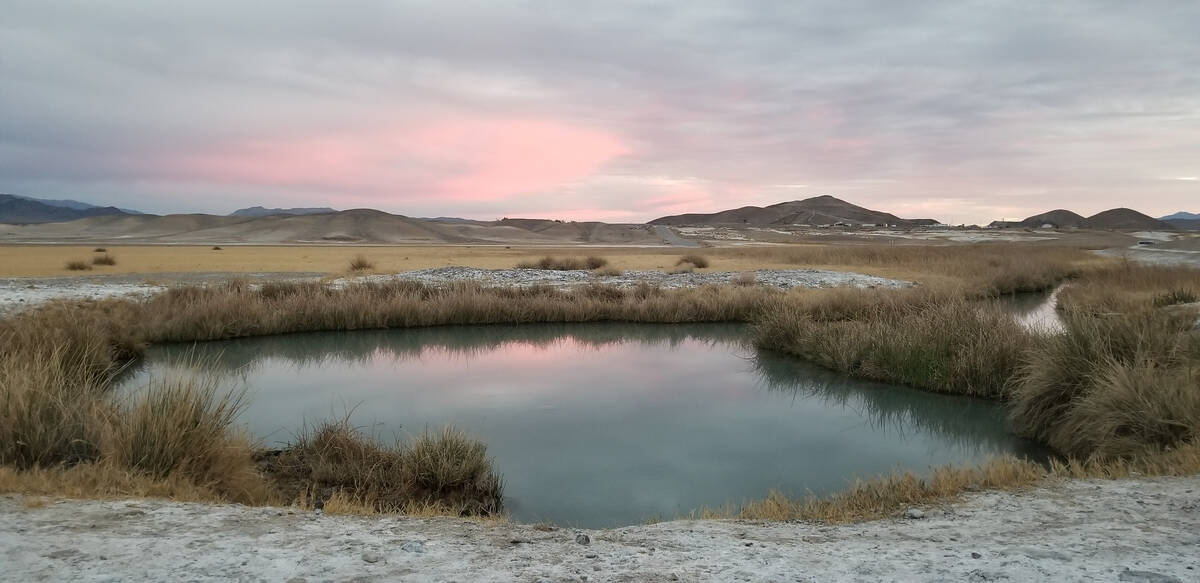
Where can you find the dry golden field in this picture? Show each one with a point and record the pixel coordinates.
(50, 260)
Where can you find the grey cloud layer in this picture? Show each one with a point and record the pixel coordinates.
(1001, 105)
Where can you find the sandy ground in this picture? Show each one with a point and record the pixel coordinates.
(1141, 530)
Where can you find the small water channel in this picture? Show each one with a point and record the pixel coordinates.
(599, 425)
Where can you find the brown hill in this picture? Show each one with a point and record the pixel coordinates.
(1058, 218)
(820, 210)
(1119, 219)
(1123, 219)
(351, 226)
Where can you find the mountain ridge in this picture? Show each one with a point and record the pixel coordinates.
(1121, 218)
(16, 209)
(260, 211)
(815, 211)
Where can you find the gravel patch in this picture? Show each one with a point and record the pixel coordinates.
(779, 278)
(1127, 530)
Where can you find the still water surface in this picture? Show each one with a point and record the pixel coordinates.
(600, 425)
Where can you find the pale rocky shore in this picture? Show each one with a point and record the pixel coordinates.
(1133, 530)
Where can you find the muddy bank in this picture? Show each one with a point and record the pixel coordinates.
(1128, 530)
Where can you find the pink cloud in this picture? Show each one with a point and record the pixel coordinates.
(463, 158)
(507, 157)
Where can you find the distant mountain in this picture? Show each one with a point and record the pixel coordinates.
(1181, 216)
(350, 226)
(258, 211)
(1121, 219)
(1185, 224)
(73, 204)
(448, 220)
(23, 210)
(820, 210)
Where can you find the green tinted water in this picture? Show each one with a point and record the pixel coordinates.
(606, 424)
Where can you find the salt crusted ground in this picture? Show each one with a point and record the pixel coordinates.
(19, 293)
(1145, 530)
(780, 278)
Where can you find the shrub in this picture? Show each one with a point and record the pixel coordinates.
(99, 250)
(1112, 386)
(361, 263)
(216, 248)
(565, 263)
(698, 261)
(917, 338)
(1174, 297)
(607, 272)
(335, 461)
(105, 259)
(745, 278)
(78, 265)
(178, 424)
(50, 410)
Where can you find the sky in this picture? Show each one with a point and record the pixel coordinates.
(964, 111)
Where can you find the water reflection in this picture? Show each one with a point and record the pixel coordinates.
(1036, 311)
(606, 424)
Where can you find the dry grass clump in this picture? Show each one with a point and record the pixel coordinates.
(361, 263)
(607, 272)
(105, 259)
(1113, 386)
(78, 265)
(745, 278)
(99, 250)
(888, 495)
(102, 480)
(335, 464)
(1175, 297)
(918, 338)
(217, 248)
(182, 426)
(697, 261)
(565, 263)
(1130, 287)
(1122, 381)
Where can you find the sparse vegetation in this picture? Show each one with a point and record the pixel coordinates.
(99, 250)
(1117, 391)
(697, 261)
(361, 263)
(887, 495)
(334, 462)
(1175, 297)
(105, 259)
(745, 278)
(78, 265)
(217, 248)
(978, 270)
(565, 263)
(607, 272)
